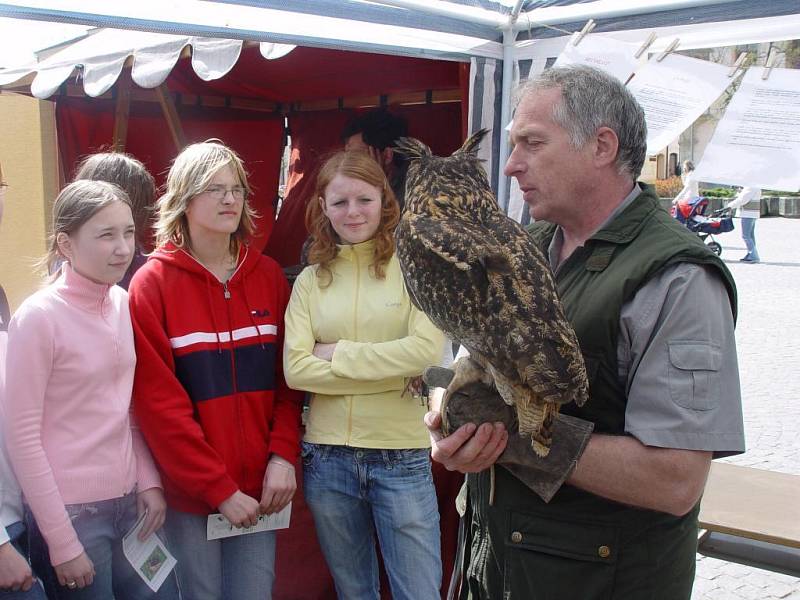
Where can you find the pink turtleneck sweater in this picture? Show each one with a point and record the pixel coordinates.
(69, 375)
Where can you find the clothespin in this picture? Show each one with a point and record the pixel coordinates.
(647, 43)
(668, 49)
(770, 63)
(738, 64)
(586, 29)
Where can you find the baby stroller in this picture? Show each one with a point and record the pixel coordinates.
(691, 213)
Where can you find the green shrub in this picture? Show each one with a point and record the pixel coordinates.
(718, 192)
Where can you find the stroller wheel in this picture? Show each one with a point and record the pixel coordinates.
(715, 248)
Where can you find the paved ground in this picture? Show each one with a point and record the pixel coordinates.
(768, 341)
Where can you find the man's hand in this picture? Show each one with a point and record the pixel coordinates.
(240, 509)
(15, 572)
(280, 485)
(76, 573)
(324, 351)
(151, 500)
(469, 449)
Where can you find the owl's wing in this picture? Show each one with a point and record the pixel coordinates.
(462, 244)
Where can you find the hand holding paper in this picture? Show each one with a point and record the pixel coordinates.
(152, 504)
(240, 509)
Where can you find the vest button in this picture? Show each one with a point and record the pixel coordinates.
(604, 551)
(516, 537)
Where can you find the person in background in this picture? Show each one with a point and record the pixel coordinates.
(17, 580)
(133, 177)
(353, 339)
(691, 187)
(376, 132)
(209, 391)
(748, 207)
(85, 471)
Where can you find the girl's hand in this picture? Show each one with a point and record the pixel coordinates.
(324, 351)
(240, 509)
(76, 573)
(15, 572)
(279, 485)
(152, 501)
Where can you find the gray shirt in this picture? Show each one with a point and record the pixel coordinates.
(677, 359)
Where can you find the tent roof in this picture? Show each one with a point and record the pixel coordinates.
(100, 58)
(452, 29)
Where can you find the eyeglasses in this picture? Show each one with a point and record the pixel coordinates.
(218, 192)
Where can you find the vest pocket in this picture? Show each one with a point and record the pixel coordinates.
(694, 374)
(547, 557)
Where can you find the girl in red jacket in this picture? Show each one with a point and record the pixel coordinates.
(209, 393)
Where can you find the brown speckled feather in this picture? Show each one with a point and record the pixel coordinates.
(479, 277)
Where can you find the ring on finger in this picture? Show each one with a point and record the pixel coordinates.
(72, 584)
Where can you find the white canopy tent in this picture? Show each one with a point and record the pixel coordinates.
(494, 35)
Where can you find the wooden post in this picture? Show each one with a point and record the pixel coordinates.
(171, 115)
(122, 111)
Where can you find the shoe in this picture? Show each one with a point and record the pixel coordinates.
(749, 259)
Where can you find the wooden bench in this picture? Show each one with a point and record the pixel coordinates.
(751, 516)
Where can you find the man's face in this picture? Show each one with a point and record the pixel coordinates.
(552, 174)
(356, 143)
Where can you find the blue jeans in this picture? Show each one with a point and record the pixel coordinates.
(749, 237)
(19, 539)
(100, 527)
(356, 493)
(234, 568)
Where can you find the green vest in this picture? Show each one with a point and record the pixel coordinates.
(610, 268)
(580, 545)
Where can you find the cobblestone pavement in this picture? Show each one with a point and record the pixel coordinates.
(768, 341)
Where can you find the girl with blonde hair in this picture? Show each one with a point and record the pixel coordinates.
(353, 339)
(209, 392)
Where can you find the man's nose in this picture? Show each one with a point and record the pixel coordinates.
(513, 165)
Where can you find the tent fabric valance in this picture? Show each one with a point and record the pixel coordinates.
(101, 57)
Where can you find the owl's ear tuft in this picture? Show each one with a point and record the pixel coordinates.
(412, 148)
(472, 143)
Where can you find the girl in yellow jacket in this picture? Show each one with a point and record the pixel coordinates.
(353, 339)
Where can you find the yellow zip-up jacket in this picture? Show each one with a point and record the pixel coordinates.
(381, 339)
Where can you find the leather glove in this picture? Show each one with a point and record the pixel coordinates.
(477, 403)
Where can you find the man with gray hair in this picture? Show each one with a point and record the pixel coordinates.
(654, 312)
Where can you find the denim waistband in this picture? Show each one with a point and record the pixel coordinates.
(384, 455)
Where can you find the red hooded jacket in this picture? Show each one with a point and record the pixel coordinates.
(209, 393)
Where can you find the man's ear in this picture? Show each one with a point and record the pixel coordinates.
(64, 245)
(386, 157)
(606, 148)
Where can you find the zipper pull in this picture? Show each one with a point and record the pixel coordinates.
(226, 293)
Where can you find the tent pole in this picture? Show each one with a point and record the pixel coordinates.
(603, 9)
(122, 111)
(509, 35)
(469, 14)
(171, 115)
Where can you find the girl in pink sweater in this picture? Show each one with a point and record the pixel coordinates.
(85, 472)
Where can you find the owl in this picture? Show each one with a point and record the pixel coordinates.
(480, 278)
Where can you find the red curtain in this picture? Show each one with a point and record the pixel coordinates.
(86, 125)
